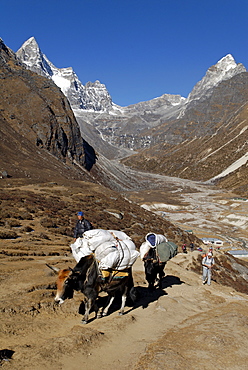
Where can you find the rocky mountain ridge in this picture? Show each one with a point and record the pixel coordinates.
(123, 127)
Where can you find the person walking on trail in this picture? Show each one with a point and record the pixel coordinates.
(82, 225)
(207, 264)
(184, 248)
(192, 247)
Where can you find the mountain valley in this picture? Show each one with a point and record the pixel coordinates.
(169, 135)
(168, 176)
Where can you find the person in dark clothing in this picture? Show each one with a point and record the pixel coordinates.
(192, 246)
(184, 248)
(82, 225)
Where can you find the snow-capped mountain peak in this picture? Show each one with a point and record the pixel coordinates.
(226, 63)
(31, 55)
(93, 96)
(224, 69)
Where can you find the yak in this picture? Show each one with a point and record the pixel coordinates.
(87, 278)
(154, 269)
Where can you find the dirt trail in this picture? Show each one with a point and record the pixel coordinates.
(185, 325)
(53, 337)
(127, 338)
(182, 303)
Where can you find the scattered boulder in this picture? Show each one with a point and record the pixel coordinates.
(4, 174)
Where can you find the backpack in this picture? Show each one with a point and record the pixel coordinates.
(166, 251)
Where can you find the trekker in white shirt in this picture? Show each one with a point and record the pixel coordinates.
(207, 264)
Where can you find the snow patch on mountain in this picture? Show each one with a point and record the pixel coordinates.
(62, 83)
(233, 167)
(91, 97)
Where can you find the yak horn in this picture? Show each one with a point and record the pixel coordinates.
(55, 269)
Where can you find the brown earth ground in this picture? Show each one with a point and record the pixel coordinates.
(184, 325)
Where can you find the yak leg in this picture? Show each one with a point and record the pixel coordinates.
(123, 300)
(110, 301)
(151, 280)
(161, 274)
(89, 303)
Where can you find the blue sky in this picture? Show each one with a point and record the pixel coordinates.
(140, 49)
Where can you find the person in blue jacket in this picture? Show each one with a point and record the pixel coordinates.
(82, 225)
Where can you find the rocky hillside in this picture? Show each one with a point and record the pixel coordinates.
(36, 120)
(212, 135)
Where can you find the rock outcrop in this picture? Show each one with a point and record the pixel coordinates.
(35, 110)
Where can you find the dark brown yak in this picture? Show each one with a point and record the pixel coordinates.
(86, 277)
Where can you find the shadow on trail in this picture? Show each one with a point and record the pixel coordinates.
(143, 296)
(139, 297)
(170, 280)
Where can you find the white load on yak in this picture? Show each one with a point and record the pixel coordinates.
(113, 249)
(165, 249)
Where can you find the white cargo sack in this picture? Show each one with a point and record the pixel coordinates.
(120, 258)
(119, 234)
(93, 238)
(113, 249)
(144, 248)
(78, 251)
(104, 249)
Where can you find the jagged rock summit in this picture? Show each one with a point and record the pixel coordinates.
(223, 70)
(93, 96)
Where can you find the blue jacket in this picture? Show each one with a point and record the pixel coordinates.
(81, 227)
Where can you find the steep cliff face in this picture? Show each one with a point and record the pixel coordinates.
(36, 109)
